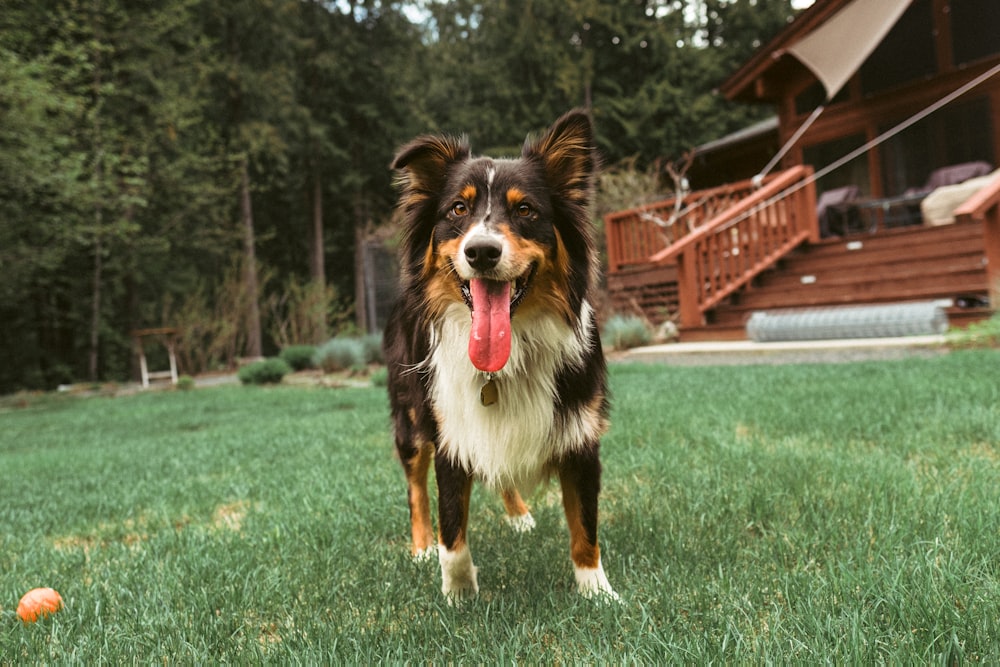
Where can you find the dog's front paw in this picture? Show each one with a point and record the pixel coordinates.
(457, 596)
(458, 574)
(592, 583)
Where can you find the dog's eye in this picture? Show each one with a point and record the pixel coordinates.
(523, 210)
(459, 209)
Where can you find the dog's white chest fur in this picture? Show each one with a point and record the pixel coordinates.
(507, 443)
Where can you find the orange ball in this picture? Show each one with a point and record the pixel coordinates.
(38, 602)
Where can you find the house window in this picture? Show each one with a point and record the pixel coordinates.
(958, 133)
(854, 172)
(906, 54)
(974, 30)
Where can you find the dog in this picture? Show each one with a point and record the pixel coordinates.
(495, 367)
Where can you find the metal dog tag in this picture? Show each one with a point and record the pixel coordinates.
(489, 395)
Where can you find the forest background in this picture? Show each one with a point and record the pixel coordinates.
(215, 165)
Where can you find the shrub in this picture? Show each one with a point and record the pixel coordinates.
(373, 348)
(209, 321)
(340, 354)
(185, 383)
(299, 357)
(304, 311)
(380, 377)
(268, 371)
(622, 332)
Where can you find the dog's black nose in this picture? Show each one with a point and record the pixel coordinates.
(483, 253)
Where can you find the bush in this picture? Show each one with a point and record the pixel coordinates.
(269, 371)
(299, 357)
(185, 383)
(340, 354)
(299, 311)
(380, 377)
(373, 348)
(209, 321)
(622, 332)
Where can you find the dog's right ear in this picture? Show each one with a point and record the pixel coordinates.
(424, 163)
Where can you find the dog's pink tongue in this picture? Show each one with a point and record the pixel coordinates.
(489, 344)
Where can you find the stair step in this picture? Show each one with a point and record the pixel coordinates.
(933, 286)
(901, 238)
(962, 317)
(885, 256)
(808, 277)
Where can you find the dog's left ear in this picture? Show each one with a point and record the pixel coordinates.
(424, 164)
(566, 150)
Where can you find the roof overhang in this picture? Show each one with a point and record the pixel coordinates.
(827, 42)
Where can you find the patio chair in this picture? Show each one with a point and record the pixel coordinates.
(952, 175)
(830, 210)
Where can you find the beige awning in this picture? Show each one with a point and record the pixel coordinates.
(835, 50)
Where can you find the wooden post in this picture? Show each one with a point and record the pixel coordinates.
(173, 359)
(991, 243)
(611, 236)
(143, 368)
(687, 288)
(985, 206)
(807, 210)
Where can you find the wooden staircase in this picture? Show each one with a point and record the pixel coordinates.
(897, 265)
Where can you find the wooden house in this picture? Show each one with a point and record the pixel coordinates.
(883, 187)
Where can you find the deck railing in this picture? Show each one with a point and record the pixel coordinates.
(725, 249)
(985, 206)
(636, 234)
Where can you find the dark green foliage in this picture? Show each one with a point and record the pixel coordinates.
(299, 357)
(648, 70)
(144, 145)
(268, 371)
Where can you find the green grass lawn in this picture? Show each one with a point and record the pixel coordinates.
(837, 513)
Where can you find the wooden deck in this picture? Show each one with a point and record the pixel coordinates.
(647, 289)
(750, 249)
(907, 264)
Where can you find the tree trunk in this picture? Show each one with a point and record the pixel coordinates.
(253, 345)
(317, 261)
(360, 302)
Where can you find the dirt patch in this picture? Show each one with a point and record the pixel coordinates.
(231, 515)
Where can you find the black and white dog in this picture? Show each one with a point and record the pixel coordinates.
(496, 372)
